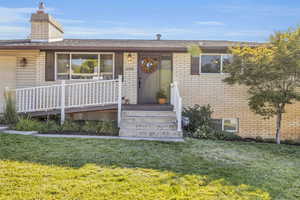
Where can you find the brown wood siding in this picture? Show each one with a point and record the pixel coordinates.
(50, 66)
(195, 65)
(118, 64)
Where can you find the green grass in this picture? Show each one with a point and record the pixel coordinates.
(57, 168)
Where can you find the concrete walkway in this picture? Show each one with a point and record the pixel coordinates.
(35, 133)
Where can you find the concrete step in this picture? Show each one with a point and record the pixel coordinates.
(132, 132)
(152, 126)
(136, 113)
(149, 119)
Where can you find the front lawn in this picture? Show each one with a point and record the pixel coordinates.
(61, 168)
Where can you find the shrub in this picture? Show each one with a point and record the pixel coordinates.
(27, 124)
(50, 126)
(223, 135)
(206, 132)
(101, 127)
(2, 120)
(198, 116)
(10, 112)
(201, 125)
(70, 126)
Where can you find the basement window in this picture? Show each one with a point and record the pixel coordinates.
(81, 66)
(230, 125)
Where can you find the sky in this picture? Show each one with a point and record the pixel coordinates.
(237, 20)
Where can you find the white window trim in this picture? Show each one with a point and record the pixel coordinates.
(212, 54)
(74, 52)
(237, 124)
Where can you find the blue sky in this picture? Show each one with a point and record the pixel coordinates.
(239, 20)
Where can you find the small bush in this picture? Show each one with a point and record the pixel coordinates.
(27, 124)
(101, 127)
(206, 132)
(259, 139)
(50, 126)
(2, 120)
(10, 112)
(201, 125)
(70, 126)
(198, 116)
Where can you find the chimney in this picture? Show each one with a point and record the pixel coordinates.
(158, 36)
(44, 28)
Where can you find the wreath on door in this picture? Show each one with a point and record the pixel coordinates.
(149, 65)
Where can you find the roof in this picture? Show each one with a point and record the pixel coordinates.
(121, 45)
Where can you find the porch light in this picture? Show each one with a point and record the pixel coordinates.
(23, 62)
(130, 58)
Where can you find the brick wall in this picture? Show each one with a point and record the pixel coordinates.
(45, 28)
(230, 101)
(130, 78)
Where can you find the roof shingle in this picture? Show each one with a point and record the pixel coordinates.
(115, 44)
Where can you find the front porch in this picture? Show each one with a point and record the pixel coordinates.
(133, 119)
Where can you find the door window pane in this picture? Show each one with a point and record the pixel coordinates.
(165, 75)
(211, 64)
(63, 66)
(84, 66)
(106, 66)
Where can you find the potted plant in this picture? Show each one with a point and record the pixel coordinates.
(161, 96)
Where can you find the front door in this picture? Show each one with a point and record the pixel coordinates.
(154, 73)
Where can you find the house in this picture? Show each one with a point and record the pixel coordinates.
(82, 75)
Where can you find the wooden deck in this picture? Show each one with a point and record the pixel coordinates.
(74, 110)
(144, 107)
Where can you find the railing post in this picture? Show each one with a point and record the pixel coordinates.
(119, 100)
(175, 96)
(5, 95)
(172, 94)
(62, 99)
(179, 112)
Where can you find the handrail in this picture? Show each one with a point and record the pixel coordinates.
(70, 95)
(176, 101)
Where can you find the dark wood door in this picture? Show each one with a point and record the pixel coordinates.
(148, 81)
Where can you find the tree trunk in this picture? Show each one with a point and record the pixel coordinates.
(278, 127)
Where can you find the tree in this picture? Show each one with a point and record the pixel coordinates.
(194, 50)
(271, 72)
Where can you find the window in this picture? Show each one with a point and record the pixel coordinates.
(226, 60)
(210, 63)
(230, 125)
(106, 66)
(84, 66)
(63, 66)
(214, 63)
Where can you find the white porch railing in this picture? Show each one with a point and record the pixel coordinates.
(176, 101)
(70, 95)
